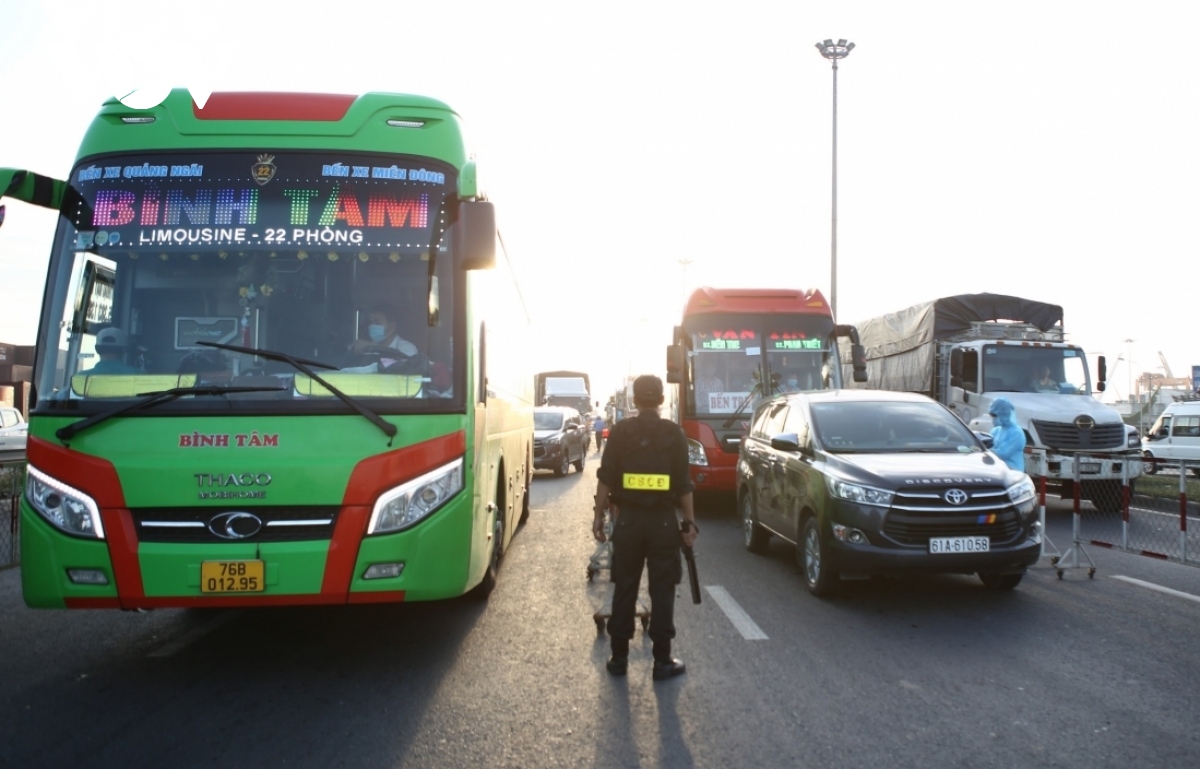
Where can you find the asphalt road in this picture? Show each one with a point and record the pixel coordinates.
(924, 672)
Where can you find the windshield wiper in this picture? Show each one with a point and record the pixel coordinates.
(64, 434)
(302, 365)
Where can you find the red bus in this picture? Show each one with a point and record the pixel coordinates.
(737, 346)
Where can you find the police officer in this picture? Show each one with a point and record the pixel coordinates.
(644, 473)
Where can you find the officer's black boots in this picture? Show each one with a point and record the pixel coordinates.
(617, 666)
(668, 669)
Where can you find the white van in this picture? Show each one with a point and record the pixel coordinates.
(1175, 435)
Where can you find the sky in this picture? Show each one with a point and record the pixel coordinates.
(637, 150)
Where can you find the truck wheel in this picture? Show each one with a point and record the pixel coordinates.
(1151, 467)
(814, 561)
(756, 538)
(1105, 495)
(994, 581)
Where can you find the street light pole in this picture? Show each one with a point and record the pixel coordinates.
(834, 51)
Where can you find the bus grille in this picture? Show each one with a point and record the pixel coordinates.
(196, 525)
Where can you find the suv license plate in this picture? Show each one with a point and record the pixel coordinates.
(959, 544)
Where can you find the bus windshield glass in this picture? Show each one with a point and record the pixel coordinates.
(323, 257)
(732, 355)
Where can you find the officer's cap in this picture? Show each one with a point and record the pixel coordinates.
(647, 387)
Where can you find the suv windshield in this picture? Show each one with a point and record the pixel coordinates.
(547, 420)
(318, 256)
(882, 427)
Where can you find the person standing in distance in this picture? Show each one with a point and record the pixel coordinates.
(644, 474)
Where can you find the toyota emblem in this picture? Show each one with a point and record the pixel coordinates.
(955, 496)
(237, 525)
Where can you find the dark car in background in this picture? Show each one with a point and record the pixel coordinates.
(868, 482)
(559, 439)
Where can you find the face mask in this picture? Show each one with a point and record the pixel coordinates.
(376, 333)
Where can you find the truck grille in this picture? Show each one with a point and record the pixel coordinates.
(915, 516)
(191, 524)
(1064, 435)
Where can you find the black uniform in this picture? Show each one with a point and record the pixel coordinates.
(645, 467)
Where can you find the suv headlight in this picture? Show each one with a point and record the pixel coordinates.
(408, 503)
(696, 455)
(65, 508)
(864, 495)
(1022, 494)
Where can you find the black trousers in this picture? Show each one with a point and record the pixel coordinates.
(648, 538)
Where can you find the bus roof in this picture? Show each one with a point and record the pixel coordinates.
(708, 300)
(371, 122)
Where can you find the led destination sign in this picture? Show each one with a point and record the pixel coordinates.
(249, 200)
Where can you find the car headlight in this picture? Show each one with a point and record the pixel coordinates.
(864, 495)
(1022, 494)
(66, 508)
(410, 502)
(696, 455)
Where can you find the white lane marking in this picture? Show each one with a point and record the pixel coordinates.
(740, 619)
(182, 642)
(1159, 588)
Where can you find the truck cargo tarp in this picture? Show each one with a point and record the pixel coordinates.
(899, 345)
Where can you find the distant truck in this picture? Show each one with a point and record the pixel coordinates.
(965, 351)
(564, 388)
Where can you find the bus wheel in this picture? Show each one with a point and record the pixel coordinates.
(485, 588)
(524, 506)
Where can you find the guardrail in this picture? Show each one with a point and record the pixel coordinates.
(1147, 514)
(12, 485)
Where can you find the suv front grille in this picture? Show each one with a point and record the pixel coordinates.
(1064, 435)
(915, 516)
(191, 524)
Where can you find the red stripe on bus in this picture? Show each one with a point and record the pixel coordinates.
(274, 106)
(123, 550)
(382, 596)
(370, 478)
(231, 601)
(92, 603)
(93, 475)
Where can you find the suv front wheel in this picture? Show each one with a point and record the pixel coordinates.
(814, 561)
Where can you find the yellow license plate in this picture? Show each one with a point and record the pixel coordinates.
(646, 482)
(232, 577)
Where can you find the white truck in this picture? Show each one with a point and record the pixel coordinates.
(964, 351)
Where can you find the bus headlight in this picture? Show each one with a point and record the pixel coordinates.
(65, 508)
(408, 503)
(696, 455)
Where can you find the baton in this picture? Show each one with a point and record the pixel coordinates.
(693, 578)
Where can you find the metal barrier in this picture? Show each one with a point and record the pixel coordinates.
(1146, 515)
(12, 485)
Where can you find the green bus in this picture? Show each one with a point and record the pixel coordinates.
(280, 360)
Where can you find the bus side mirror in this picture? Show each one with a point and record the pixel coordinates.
(676, 362)
(477, 222)
(858, 357)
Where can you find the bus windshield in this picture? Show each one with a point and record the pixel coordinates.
(320, 256)
(733, 355)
